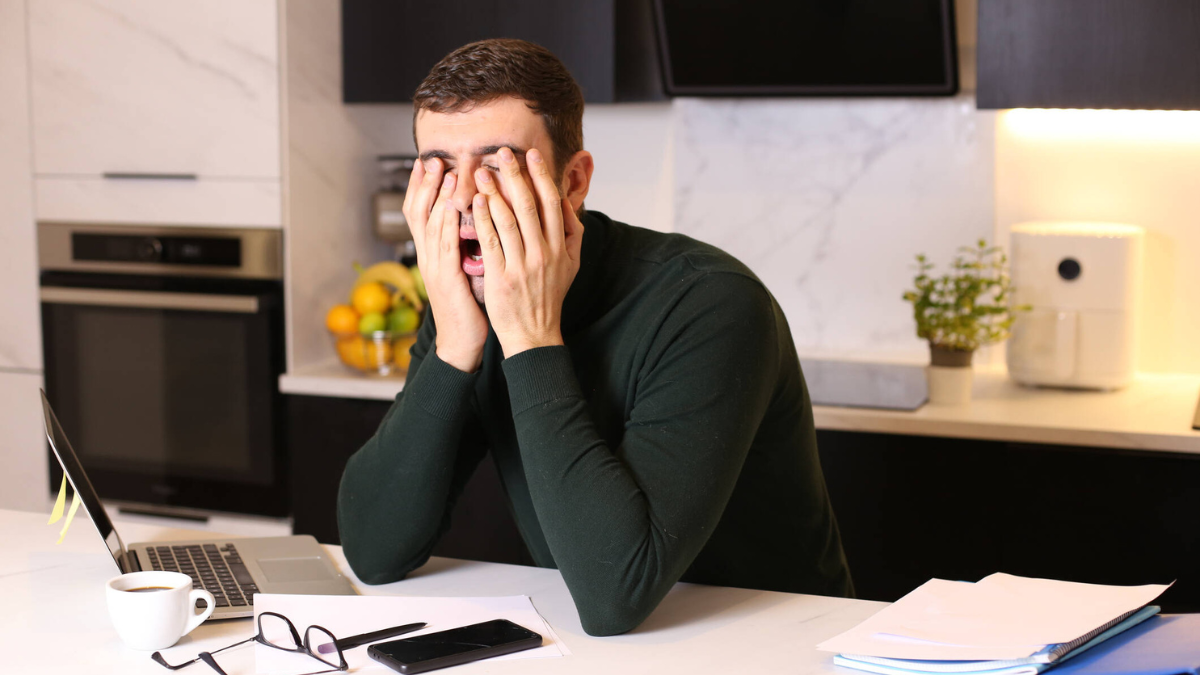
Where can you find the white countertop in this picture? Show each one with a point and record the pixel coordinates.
(1154, 413)
(333, 378)
(56, 620)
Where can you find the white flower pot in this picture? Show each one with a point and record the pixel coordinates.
(949, 385)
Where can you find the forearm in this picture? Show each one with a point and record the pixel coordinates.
(610, 526)
(625, 517)
(396, 491)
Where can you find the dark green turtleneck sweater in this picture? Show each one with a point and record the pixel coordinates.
(671, 439)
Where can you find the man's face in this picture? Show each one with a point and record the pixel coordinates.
(466, 141)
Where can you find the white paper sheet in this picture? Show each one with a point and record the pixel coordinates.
(1001, 617)
(347, 615)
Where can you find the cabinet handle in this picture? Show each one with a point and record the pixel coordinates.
(123, 175)
(199, 302)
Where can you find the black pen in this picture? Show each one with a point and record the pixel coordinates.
(360, 640)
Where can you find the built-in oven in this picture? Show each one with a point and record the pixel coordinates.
(163, 349)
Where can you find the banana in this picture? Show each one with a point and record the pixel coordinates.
(395, 275)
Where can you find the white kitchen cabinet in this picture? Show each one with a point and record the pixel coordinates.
(182, 96)
(25, 478)
(20, 332)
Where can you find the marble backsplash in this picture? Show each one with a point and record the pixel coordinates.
(829, 200)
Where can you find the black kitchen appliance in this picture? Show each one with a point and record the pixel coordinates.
(163, 348)
(807, 48)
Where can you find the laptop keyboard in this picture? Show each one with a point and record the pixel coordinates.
(219, 571)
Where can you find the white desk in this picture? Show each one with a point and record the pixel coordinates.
(55, 619)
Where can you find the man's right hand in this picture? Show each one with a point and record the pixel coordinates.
(462, 327)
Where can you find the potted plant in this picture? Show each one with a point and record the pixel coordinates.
(959, 312)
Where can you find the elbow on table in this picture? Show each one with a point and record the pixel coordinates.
(374, 562)
(611, 616)
(373, 571)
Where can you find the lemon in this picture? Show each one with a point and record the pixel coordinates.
(371, 298)
(342, 319)
(369, 323)
(403, 319)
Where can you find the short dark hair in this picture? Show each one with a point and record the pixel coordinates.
(483, 71)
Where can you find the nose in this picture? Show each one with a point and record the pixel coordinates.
(464, 190)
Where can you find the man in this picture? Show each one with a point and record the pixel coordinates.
(639, 392)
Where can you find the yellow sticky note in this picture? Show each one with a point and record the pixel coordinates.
(70, 517)
(59, 503)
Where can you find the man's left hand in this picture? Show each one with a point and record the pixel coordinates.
(530, 252)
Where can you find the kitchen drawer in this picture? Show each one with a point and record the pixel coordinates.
(237, 203)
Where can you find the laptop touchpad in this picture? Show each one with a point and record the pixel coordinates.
(288, 570)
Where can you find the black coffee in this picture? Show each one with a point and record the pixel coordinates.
(147, 589)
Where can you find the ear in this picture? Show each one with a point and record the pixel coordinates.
(577, 178)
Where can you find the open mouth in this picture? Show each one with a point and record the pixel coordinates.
(471, 249)
(472, 254)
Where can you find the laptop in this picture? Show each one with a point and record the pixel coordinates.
(232, 569)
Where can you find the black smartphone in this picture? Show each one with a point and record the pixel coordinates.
(455, 646)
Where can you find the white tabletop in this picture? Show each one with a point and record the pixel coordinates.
(55, 619)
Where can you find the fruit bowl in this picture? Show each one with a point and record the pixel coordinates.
(379, 353)
(374, 332)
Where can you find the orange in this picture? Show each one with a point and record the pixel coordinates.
(351, 350)
(342, 319)
(402, 354)
(371, 297)
(378, 352)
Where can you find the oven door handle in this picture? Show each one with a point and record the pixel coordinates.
(194, 302)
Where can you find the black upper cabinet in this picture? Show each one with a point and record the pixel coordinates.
(389, 46)
(1089, 54)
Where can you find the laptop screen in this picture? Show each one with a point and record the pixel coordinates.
(82, 486)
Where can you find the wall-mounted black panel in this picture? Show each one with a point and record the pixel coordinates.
(389, 46)
(1129, 54)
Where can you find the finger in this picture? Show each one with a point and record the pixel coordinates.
(524, 206)
(449, 250)
(414, 180)
(489, 239)
(433, 224)
(416, 224)
(428, 192)
(547, 195)
(573, 230)
(502, 218)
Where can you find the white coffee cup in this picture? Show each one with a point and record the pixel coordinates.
(152, 610)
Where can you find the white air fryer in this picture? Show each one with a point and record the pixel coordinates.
(1083, 281)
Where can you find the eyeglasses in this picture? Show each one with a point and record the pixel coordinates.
(276, 630)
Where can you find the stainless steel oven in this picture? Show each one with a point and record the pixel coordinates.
(163, 349)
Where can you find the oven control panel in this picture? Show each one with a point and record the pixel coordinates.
(170, 250)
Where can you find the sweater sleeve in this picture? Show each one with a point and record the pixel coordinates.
(398, 490)
(624, 523)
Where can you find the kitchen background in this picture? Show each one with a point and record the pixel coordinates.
(827, 199)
